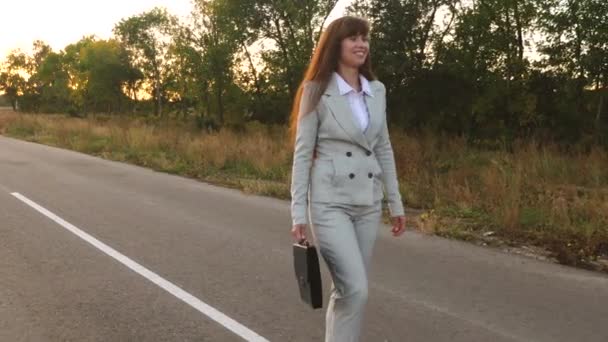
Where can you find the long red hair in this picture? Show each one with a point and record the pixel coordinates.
(325, 61)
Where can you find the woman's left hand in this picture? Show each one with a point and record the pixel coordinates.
(398, 225)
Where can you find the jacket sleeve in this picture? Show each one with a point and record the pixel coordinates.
(384, 153)
(305, 141)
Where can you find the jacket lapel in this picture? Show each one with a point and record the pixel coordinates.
(374, 107)
(341, 111)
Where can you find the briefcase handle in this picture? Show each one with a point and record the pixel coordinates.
(304, 242)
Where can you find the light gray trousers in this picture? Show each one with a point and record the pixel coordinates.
(345, 235)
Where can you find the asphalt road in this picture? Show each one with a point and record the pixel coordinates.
(227, 255)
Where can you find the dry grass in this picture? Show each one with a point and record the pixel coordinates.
(250, 154)
(7, 117)
(535, 194)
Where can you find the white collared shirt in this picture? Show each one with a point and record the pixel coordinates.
(356, 99)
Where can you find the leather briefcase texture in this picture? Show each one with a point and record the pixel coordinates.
(308, 273)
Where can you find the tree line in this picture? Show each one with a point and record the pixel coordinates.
(483, 69)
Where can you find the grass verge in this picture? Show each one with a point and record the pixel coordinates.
(535, 194)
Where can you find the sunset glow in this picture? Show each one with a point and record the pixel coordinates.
(62, 22)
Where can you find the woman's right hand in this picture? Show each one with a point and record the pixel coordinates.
(299, 232)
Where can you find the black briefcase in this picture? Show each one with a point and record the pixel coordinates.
(308, 273)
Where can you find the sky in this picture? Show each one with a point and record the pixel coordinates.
(62, 22)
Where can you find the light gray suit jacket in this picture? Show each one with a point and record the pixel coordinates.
(351, 166)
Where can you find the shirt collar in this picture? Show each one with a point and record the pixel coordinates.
(345, 88)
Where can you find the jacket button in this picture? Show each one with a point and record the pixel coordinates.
(351, 176)
(368, 153)
(348, 154)
(370, 175)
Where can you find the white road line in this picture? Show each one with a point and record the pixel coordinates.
(189, 299)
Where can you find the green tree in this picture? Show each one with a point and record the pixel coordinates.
(406, 36)
(108, 71)
(99, 74)
(54, 83)
(455, 66)
(38, 83)
(147, 37)
(576, 45)
(286, 32)
(12, 81)
(488, 49)
(214, 37)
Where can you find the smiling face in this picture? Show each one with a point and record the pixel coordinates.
(354, 50)
(343, 44)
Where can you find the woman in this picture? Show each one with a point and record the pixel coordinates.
(342, 161)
